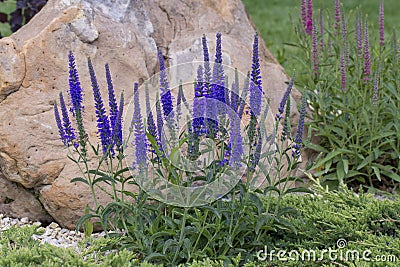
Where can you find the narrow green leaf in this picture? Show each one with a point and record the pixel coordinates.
(79, 179)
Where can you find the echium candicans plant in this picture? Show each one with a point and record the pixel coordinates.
(352, 103)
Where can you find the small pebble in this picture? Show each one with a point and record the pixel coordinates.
(53, 225)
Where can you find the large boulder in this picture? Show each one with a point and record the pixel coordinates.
(123, 33)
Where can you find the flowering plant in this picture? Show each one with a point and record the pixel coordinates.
(201, 168)
(352, 82)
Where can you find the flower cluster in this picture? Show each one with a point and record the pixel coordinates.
(210, 94)
(307, 15)
(382, 24)
(215, 107)
(109, 127)
(337, 17)
(300, 128)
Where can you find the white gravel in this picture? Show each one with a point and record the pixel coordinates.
(53, 233)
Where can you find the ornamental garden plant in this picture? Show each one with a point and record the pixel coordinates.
(351, 78)
(200, 172)
(180, 145)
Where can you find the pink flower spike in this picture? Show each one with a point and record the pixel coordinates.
(343, 71)
(382, 24)
(367, 56)
(337, 17)
(315, 56)
(304, 12)
(321, 29)
(309, 22)
(359, 35)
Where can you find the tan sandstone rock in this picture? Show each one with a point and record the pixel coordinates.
(125, 34)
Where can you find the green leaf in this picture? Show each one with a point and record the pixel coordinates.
(97, 172)
(82, 220)
(72, 159)
(317, 147)
(168, 244)
(340, 170)
(79, 179)
(332, 155)
(105, 179)
(377, 172)
(346, 166)
(299, 190)
(366, 161)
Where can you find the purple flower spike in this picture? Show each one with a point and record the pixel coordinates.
(315, 55)
(160, 122)
(166, 97)
(359, 35)
(382, 24)
(198, 105)
(304, 12)
(343, 72)
(207, 69)
(256, 82)
(117, 132)
(151, 126)
(375, 96)
(367, 56)
(218, 73)
(300, 128)
(337, 17)
(103, 124)
(234, 101)
(284, 99)
(69, 134)
(321, 29)
(59, 124)
(345, 40)
(309, 21)
(255, 158)
(75, 89)
(140, 136)
(112, 101)
(235, 143)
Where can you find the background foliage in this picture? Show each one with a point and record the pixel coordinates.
(273, 21)
(15, 13)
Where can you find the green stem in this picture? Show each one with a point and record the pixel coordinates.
(181, 235)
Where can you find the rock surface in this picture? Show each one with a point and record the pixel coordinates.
(123, 33)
